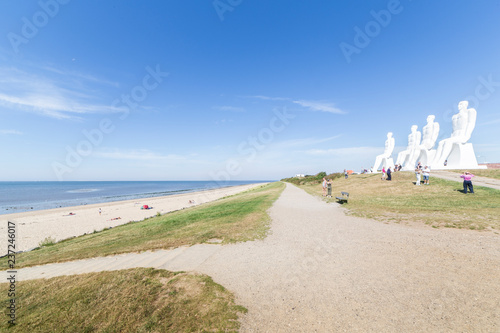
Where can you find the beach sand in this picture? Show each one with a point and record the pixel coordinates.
(33, 227)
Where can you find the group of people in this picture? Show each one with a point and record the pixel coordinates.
(387, 173)
(425, 172)
(420, 172)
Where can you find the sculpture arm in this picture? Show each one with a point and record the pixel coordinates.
(390, 148)
(470, 124)
(435, 134)
(419, 139)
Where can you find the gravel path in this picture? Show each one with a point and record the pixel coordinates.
(322, 271)
(480, 181)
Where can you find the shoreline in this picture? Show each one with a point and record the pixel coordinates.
(35, 226)
(70, 194)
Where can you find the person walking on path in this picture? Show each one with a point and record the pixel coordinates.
(467, 176)
(426, 173)
(389, 173)
(324, 186)
(418, 173)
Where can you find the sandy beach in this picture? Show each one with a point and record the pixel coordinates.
(33, 227)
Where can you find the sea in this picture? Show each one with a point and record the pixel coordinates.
(17, 197)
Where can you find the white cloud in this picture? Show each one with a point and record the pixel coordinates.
(139, 154)
(229, 108)
(311, 105)
(78, 76)
(319, 106)
(350, 151)
(54, 106)
(10, 132)
(305, 142)
(491, 122)
(48, 97)
(267, 98)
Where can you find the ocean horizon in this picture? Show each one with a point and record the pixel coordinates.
(24, 196)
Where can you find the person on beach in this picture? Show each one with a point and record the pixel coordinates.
(389, 173)
(418, 173)
(324, 186)
(426, 173)
(99, 211)
(383, 173)
(467, 176)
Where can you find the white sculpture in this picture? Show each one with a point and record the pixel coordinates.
(385, 159)
(455, 150)
(430, 134)
(408, 157)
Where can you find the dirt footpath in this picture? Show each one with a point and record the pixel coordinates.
(322, 271)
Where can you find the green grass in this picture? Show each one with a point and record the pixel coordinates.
(134, 300)
(48, 241)
(441, 204)
(241, 217)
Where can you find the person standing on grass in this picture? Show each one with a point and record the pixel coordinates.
(426, 173)
(345, 174)
(324, 186)
(418, 173)
(467, 176)
(389, 173)
(329, 185)
(383, 173)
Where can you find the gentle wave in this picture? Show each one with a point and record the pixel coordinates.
(84, 190)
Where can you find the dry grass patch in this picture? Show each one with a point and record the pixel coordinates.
(134, 300)
(237, 218)
(441, 204)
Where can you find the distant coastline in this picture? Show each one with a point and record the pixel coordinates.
(66, 222)
(18, 197)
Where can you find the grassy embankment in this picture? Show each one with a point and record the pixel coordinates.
(441, 204)
(134, 300)
(236, 218)
(140, 299)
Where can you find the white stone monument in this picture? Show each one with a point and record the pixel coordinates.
(408, 157)
(385, 160)
(430, 134)
(455, 150)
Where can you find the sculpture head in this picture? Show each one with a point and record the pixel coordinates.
(430, 118)
(463, 105)
(414, 128)
(389, 135)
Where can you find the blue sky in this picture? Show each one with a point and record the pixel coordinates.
(231, 89)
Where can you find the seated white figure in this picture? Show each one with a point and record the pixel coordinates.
(455, 149)
(408, 157)
(384, 159)
(430, 134)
